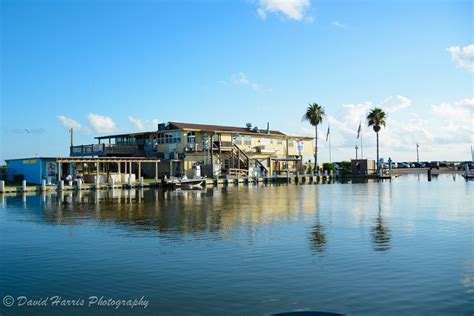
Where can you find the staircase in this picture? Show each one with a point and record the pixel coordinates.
(234, 161)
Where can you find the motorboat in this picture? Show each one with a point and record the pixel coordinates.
(184, 183)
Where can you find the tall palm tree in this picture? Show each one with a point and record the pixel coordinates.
(314, 115)
(377, 118)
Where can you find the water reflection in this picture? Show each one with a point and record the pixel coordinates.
(381, 234)
(318, 237)
(380, 231)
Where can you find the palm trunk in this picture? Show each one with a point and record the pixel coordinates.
(378, 166)
(316, 149)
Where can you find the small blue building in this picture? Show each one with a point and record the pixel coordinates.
(33, 170)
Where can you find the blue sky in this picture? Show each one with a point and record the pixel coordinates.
(106, 66)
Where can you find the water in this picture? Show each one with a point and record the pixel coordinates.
(400, 247)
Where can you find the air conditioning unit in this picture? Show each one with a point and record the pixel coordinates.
(162, 126)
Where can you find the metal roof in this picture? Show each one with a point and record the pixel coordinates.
(207, 127)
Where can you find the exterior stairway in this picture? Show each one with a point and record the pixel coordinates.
(234, 161)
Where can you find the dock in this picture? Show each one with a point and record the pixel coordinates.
(151, 183)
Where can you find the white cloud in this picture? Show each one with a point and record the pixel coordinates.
(241, 79)
(338, 24)
(444, 130)
(395, 104)
(101, 124)
(463, 56)
(69, 123)
(137, 123)
(143, 125)
(457, 121)
(293, 9)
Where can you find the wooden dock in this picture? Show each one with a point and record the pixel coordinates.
(307, 179)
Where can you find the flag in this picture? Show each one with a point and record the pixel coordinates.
(359, 130)
(327, 134)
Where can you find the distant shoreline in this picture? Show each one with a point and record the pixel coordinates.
(424, 170)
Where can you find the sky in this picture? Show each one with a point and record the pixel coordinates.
(106, 67)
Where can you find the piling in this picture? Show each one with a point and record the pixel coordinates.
(2, 186)
(78, 184)
(429, 174)
(43, 185)
(141, 182)
(60, 185)
(23, 186)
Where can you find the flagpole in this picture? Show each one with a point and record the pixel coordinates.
(330, 161)
(361, 147)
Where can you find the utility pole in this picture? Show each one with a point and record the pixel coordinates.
(356, 147)
(417, 154)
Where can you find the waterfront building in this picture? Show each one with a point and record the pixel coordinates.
(214, 150)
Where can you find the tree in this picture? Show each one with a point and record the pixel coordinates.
(314, 115)
(377, 118)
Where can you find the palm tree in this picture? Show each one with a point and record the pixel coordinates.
(314, 115)
(377, 118)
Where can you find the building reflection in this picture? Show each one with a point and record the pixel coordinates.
(220, 209)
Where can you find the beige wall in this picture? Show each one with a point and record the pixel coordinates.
(269, 145)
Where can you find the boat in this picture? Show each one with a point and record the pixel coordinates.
(184, 183)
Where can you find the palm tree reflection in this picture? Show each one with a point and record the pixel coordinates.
(318, 237)
(380, 233)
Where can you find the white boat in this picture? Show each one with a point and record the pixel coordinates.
(184, 183)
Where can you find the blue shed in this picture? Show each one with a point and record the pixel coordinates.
(33, 170)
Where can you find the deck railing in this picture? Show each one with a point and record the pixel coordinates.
(105, 150)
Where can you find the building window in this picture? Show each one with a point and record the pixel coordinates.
(191, 137)
(291, 143)
(237, 139)
(248, 140)
(280, 141)
(169, 138)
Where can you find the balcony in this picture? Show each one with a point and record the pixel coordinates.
(102, 150)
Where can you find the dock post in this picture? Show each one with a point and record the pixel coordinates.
(96, 183)
(141, 182)
(2, 186)
(274, 177)
(78, 184)
(429, 174)
(466, 170)
(43, 185)
(112, 182)
(23, 186)
(61, 185)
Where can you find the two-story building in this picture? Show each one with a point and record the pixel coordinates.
(217, 150)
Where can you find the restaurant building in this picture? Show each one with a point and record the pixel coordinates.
(214, 150)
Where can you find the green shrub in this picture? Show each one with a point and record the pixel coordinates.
(346, 166)
(329, 166)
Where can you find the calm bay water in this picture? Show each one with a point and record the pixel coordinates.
(400, 247)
